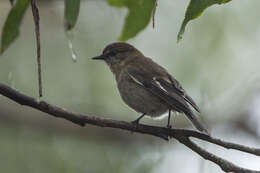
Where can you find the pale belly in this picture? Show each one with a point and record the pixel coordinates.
(141, 100)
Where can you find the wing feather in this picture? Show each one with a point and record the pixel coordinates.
(160, 89)
(169, 90)
(174, 86)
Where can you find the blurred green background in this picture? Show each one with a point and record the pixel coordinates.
(217, 62)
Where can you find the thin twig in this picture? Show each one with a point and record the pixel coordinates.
(210, 139)
(183, 136)
(36, 18)
(225, 165)
(154, 11)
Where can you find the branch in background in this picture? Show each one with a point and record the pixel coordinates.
(36, 19)
(246, 125)
(183, 136)
(12, 2)
(154, 11)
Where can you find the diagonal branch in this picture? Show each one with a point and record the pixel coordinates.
(183, 136)
(225, 165)
(210, 139)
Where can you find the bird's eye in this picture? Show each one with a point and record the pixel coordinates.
(112, 53)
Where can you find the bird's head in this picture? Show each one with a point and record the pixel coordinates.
(118, 54)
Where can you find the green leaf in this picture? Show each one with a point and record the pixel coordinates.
(116, 3)
(12, 24)
(71, 13)
(138, 17)
(195, 9)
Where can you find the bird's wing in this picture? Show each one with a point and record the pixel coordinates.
(153, 75)
(168, 89)
(161, 88)
(174, 86)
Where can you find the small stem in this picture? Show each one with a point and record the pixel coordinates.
(154, 11)
(36, 18)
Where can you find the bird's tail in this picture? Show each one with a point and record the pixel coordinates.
(195, 121)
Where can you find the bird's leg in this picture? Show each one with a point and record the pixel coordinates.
(169, 120)
(138, 119)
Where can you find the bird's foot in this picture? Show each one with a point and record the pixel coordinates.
(169, 127)
(135, 123)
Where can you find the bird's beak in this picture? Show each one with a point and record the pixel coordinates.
(101, 57)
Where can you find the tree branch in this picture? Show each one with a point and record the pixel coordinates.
(183, 136)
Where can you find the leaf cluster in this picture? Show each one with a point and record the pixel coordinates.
(140, 13)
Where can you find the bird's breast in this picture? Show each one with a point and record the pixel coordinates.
(139, 98)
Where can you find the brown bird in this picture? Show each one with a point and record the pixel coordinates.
(145, 86)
